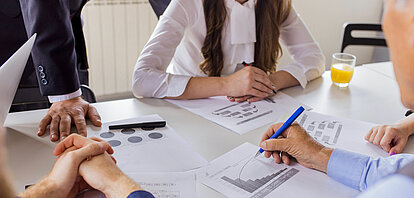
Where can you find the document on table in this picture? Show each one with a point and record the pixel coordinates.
(149, 150)
(341, 133)
(262, 177)
(242, 117)
(161, 185)
(167, 185)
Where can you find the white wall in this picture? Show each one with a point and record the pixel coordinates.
(325, 18)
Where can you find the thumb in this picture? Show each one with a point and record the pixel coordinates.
(90, 150)
(94, 116)
(398, 148)
(276, 145)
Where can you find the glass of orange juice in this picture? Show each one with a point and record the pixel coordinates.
(342, 68)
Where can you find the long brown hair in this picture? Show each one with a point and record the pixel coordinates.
(270, 14)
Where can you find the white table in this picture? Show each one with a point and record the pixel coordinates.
(384, 68)
(371, 97)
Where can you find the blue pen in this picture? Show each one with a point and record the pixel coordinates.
(284, 126)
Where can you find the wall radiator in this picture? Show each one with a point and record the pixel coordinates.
(115, 33)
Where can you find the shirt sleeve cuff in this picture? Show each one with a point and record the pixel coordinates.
(140, 194)
(296, 72)
(347, 167)
(59, 98)
(177, 85)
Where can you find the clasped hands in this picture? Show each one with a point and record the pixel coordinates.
(83, 164)
(249, 84)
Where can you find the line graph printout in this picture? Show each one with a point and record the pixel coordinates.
(241, 117)
(341, 133)
(262, 177)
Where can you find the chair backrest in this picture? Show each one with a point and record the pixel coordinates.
(87, 94)
(348, 39)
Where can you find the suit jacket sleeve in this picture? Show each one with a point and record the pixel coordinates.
(54, 55)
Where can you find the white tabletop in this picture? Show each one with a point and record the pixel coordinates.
(371, 97)
(384, 68)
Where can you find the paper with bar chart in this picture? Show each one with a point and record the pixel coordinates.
(261, 177)
(341, 133)
(242, 117)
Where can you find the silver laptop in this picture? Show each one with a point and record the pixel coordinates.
(10, 74)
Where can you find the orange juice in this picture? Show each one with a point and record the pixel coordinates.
(341, 73)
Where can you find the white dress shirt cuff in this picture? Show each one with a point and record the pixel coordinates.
(59, 98)
(177, 86)
(296, 72)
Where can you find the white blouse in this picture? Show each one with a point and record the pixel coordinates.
(179, 35)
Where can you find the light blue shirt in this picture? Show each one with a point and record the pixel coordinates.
(361, 172)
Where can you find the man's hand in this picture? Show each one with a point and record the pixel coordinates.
(62, 114)
(100, 172)
(64, 180)
(295, 142)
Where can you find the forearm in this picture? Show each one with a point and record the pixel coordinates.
(283, 79)
(407, 124)
(44, 188)
(122, 187)
(203, 87)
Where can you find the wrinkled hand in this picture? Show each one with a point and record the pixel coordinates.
(64, 180)
(249, 82)
(391, 138)
(62, 114)
(295, 142)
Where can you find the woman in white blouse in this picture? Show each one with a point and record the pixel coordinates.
(206, 43)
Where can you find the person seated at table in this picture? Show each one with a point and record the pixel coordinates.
(226, 48)
(82, 164)
(378, 175)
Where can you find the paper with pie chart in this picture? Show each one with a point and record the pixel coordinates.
(149, 150)
(242, 117)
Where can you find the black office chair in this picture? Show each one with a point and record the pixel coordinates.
(348, 39)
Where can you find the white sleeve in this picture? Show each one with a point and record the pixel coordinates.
(309, 61)
(59, 98)
(150, 78)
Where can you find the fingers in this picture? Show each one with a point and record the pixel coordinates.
(276, 157)
(285, 158)
(373, 135)
(242, 99)
(261, 87)
(94, 116)
(43, 124)
(270, 131)
(255, 92)
(54, 128)
(276, 145)
(110, 150)
(93, 149)
(80, 124)
(77, 141)
(230, 98)
(385, 142)
(378, 137)
(368, 135)
(399, 146)
(64, 126)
